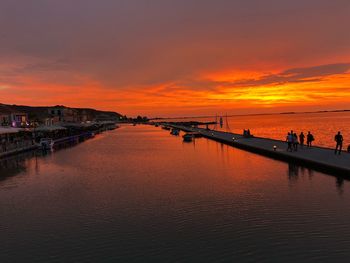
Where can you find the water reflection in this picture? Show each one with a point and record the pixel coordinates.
(14, 165)
(340, 185)
(139, 194)
(295, 170)
(20, 163)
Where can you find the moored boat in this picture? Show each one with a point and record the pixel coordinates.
(188, 137)
(46, 144)
(175, 132)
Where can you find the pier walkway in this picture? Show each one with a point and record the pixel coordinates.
(319, 158)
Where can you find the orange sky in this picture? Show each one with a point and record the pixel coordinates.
(176, 58)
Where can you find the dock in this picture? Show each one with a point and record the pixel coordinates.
(318, 158)
(18, 150)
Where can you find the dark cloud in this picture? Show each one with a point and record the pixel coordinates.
(323, 70)
(125, 43)
(58, 65)
(296, 75)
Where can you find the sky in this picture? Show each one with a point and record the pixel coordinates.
(176, 57)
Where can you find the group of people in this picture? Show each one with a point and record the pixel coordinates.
(246, 133)
(293, 140)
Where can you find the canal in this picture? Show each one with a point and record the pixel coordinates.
(138, 194)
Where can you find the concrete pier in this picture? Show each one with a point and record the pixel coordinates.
(318, 158)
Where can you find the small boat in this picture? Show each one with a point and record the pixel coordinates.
(188, 137)
(166, 128)
(46, 144)
(175, 132)
(156, 125)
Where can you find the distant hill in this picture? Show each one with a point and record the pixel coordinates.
(41, 112)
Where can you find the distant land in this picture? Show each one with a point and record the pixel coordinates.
(251, 114)
(42, 111)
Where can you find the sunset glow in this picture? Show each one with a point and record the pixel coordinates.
(241, 63)
(174, 131)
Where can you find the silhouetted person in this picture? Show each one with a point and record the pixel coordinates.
(289, 140)
(295, 142)
(339, 140)
(349, 148)
(246, 133)
(301, 139)
(309, 139)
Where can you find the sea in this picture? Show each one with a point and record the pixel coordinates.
(139, 194)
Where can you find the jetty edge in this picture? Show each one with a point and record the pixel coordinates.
(318, 158)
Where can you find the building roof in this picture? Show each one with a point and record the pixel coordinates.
(50, 128)
(6, 109)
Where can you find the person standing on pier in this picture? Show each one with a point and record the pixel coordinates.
(309, 139)
(289, 141)
(301, 139)
(339, 140)
(295, 142)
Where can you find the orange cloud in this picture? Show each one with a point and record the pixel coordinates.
(321, 87)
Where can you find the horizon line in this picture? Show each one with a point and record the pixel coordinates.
(252, 114)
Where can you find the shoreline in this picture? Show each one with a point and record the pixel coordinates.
(34, 144)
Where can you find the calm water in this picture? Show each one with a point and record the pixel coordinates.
(323, 125)
(137, 194)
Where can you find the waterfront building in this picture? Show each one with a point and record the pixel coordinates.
(51, 121)
(10, 116)
(105, 117)
(19, 119)
(4, 119)
(63, 114)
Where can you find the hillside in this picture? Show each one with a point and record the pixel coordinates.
(43, 111)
